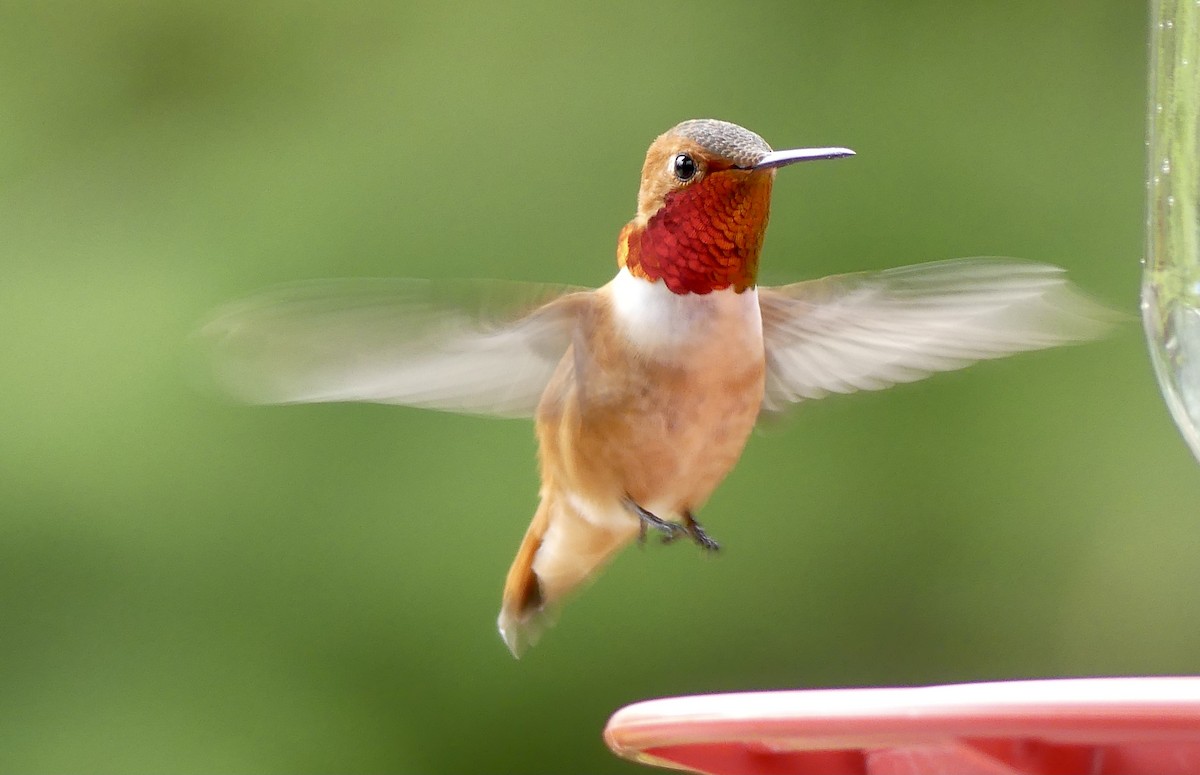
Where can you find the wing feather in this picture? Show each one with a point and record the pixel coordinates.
(474, 347)
(870, 331)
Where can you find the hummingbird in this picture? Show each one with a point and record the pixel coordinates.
(645, 391)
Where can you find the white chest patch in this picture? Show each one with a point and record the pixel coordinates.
(665, 325)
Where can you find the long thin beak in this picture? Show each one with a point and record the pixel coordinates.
(784, 158)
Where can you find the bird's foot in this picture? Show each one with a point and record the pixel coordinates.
(671, 530)
(698, 534)
(647, 520)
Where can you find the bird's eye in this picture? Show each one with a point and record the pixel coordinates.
(684, 167)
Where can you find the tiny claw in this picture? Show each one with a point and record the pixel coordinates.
(698, 534)
(646, 519)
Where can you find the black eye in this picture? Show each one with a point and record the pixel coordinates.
(685, 167)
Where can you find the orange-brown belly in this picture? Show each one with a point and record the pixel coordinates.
(671, 445)
(663, 432)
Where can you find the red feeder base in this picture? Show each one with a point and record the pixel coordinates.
(1100, 726)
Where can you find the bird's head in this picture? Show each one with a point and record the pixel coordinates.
(703, 206)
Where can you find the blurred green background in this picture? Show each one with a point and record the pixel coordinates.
(187, 585)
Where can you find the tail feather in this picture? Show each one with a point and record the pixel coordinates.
(561, 551)
(523, 603)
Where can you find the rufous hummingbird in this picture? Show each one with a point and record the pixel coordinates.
(643, 391)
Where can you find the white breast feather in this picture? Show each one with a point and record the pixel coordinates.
(664, 324)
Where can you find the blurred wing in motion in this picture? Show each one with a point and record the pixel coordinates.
(872, 330)
(477, 347)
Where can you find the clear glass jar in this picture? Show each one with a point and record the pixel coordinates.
(1171, 284)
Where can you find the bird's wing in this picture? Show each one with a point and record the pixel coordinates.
(474, 347)
(872, 330)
